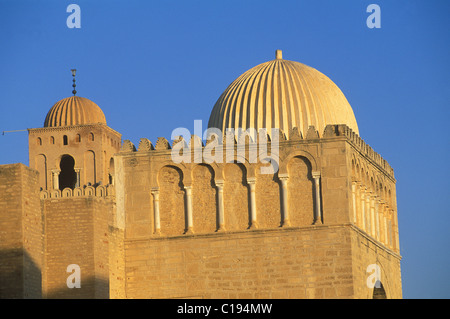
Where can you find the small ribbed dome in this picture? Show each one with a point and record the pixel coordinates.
(74, 110)
(282, 94)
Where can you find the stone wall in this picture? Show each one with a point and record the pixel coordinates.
(310, 262)
(76, 232)
(20, 232)
(41, 237)
(117, 288)
(296, 262)
(367, 252)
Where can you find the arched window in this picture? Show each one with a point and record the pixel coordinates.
(111, 171)
(78, 138)
(91, 136)
(301, 192)
(39, 141)
(68, 176)
(172, 201)
(89, 167)
(65, 140)
(52, 140)
(379, 292)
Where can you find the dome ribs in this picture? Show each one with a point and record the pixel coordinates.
(282, 94)
(72, 111)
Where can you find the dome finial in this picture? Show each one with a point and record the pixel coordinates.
(279, 54)
(74, 71)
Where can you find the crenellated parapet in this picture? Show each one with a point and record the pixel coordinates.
(86, 191)
(360, 145)
(295, 135)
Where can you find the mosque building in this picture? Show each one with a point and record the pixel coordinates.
(312, 214)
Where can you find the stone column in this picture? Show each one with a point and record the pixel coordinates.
(377, 217)
(284, 200)
(396, 236)
(55, 175)
(354, 186)
(220, 205)
(251, 181)
(77, 171)
(390, 239)
(385, 237)
(381, 218)
(363, 208)
(318, 212)
(155, 193)
(358, 203)
(372, 215)
(368, 223)
(190, 224)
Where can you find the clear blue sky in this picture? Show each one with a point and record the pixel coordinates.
(153, 66)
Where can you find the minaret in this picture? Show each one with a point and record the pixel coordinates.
(75, 147)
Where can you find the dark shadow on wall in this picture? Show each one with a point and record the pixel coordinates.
(90, 288)
(21, 278)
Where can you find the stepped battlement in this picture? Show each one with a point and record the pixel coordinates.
(295, 136)
(86, 191)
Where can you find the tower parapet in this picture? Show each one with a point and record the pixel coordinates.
(87, 191)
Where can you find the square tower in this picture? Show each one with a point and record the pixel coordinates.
(73, 156)
(75, 147)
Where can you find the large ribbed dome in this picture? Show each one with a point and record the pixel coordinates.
(74, 110)
(282, 94)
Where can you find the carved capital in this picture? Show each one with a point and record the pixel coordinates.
(219, 183)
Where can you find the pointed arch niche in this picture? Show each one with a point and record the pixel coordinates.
(67, 175)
